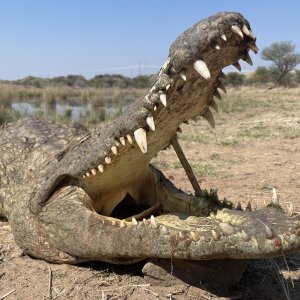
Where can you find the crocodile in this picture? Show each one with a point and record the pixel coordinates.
(72, 194)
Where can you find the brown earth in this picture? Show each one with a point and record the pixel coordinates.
(255, 147)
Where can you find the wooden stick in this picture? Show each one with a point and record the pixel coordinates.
(187, 167)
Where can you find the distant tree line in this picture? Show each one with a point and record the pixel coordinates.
(79, 81)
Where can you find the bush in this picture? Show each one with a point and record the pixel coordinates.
(235, 79)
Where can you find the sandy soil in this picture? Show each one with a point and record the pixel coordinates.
(255, 147)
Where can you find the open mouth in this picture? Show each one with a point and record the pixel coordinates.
(119, 182)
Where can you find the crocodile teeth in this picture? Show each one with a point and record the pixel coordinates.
(134, 221)
(117, 144)
(246, 30)
(290, 211)
(248, 60)
(87, 174)
(253, 48)
(193, 236)
(183, 77)
(150, 122)
(129, 138)
(245, 236)
(101, 168)
(141, 139)
(269, 232)
(275, 200)
(222, 87)
(226, 228)
(94, 172)
(217, 95)
(83, 176)
(155, 108)
(237, 65)
(236, 29)
(122, 224)
(107, 160)
(223, 37)
(122, 140)
(209, 117)
(181, 235)
(153, 222)
(201, 67)
(114, 150)
(163, 99)
(168, 86)
(214, 105)
(217, 47)
(249, 206)
(215, 235)
(113, 223)
(164, 230)
(239, 206)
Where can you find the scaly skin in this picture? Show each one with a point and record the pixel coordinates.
(61, 188)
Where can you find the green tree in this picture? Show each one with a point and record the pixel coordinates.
(283, 57)
(235, 78)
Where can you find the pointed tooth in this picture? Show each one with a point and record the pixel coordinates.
(193, 236)
(209, 117)
(153, 222)
(122, 224)
(83, 176)
(141, 139)
(222, 87)
(181, 235)
(107, 160)
(226, 228)
(246, 30)
(239, 206)
(215, 235)
(217, 95)
(150, 122)
(163, 99)
(168, 86)
(248, 60)
(214, 105)
(249, 206)
(223, 37)
(217, 47)
(275, 200)
(134, 222)
(155, 108)
(290, 211)
(236, 29)
(269, 232)
(245, 236)
(129, 138)
(164, 230)
(144, 221)
(238, 66)
(201, 67)
(122, 140)
(94, 172)
(87, 174)
(179, 130)
(114, 150)
(183, 76)
(253, 47)
(101, 168)
(117, 144)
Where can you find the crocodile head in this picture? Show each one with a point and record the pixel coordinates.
(104, 200)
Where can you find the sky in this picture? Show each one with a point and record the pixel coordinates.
(60, 37)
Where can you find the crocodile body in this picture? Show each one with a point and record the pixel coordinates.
(72, 194)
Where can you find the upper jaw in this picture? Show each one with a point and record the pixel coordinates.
(184, 88)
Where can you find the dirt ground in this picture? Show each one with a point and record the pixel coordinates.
(255, 147)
